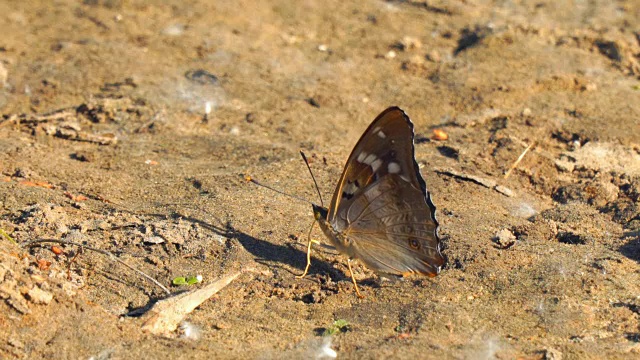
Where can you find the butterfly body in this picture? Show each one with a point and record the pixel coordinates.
(381, 212)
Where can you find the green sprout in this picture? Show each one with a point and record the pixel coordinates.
(338, 326)
(189, 280)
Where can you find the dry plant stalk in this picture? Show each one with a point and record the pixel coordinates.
(165, 315)
(513, 166)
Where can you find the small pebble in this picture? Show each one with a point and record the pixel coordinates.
(505, 238)
(434, 56)
(39, 296)
(4, 74)
(410, 43)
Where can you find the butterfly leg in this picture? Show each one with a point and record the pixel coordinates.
(306, 269)
(354, 279)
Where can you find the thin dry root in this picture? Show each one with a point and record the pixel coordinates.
(506, 175)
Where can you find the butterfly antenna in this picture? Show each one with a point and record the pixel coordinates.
(313, 177)
(249, 178)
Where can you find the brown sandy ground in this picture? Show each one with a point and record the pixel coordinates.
(103, 141)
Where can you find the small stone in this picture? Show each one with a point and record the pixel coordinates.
(410, 43)
(526, 112)
(173, 30)
(505, 238)
(39, 296)
(76, 236)
(153, 240)
(552, 354)
(4, 74)
(390, 55)
(323, 48)
(15, 343)
(434, 56)
(69, 289)
(416, 60)
(38, 279)
(504, 190)
(564, 165)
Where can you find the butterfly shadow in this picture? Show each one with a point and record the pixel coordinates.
(264, 252)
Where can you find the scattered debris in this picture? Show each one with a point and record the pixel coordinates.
(504, 190)
(207, 111)
(4, 74)
(72, 131)
(75, 197)
(440, 135)
(174, 30)
(607, 157)
(153, 240)
(190, 331)
(408, 43)
(42, 184)
(552, 354)
(43, 264)
(100, 251)
(505, 239)
(325, 351)
(488, 183)
(202, 77)
(39, 296)
(313, 102)
(30, 119)
(56, 250)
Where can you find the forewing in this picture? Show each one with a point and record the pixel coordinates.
(385, 147)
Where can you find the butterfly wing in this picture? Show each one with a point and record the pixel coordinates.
(381, 206)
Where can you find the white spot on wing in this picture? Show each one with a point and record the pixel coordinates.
(381, 134)
(375, 165)
(350, 189)
(393, 168)
(369, 159)
(361, 156)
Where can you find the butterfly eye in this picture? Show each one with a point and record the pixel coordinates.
(414, 244)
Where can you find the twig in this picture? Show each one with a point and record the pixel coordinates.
(165, 315)
(31, 118)
(6, 236)
(72, 261)
(103, 252)
(506, 175)
(488, 183)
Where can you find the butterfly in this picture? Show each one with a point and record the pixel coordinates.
(381, 212)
